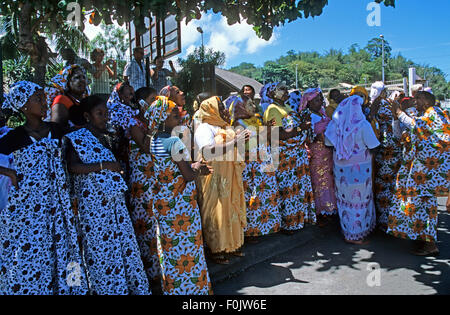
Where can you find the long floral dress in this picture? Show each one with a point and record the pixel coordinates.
(423, 175)
(261, 192)
(387, 163)
(39, 252)
(145, 224)
(5, 182)
(321, 168)
(183, 265)
(110, 248)
(293, 178)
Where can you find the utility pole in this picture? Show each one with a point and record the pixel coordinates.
(296, 76)
(382, 65)
(200, 30)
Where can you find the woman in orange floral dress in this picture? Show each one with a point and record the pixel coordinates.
(181, 254)
(422, 177)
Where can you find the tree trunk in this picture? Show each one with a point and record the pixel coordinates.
(38, 50)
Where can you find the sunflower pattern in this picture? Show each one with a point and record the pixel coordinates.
(387, 163)
(181, 254)
(261, 195)
(110, 248)
(141, 203)
(293, 179)
(422, 177)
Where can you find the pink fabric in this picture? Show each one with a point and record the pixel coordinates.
(309, 95)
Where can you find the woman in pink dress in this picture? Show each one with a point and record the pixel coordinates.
(320, 156)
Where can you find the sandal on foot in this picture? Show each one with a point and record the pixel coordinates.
(220, 259)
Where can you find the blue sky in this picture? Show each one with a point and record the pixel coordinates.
(416, 29)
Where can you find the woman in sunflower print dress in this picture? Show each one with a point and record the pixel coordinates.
(388, 157)
(260, 183)
(141, 181)
(183, 265)
(293, 175)
(39, 252)
(422, 177)
(110, 248)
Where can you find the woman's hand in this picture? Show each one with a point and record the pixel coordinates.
(242, 135)
(202, 168)
(13, 177)
(448, 202)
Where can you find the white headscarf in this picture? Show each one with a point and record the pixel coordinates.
(341, 131)
(376, 90)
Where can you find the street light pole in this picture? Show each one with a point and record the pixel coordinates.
(296, 76)
(382, 64)
(200, 30)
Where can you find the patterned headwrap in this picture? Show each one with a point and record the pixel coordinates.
(18, 95)
(295, 99)
(342, 130)
(61, 80)
(376, 89)
(308, 95)
(360, 89)
(120, 114)
(166, 91)
(240, 107)
(265, 99)
(158, 112)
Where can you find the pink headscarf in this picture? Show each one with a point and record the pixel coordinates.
(342, 130)
(307, 96)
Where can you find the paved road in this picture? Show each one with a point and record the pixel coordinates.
(327, 265)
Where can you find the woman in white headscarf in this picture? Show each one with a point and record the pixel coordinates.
(352, 137)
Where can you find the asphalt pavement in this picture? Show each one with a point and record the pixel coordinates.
(316, 261)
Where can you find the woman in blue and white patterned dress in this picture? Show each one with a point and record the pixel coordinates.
(110, 248)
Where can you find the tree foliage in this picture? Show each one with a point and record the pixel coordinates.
(357, 66)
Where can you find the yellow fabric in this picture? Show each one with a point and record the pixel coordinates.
(360, 89)
(277, 112)
(222, 200)
(209, 113)
(329, 110)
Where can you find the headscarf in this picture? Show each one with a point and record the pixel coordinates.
(360, 89)
(295, 99)
(341, 131)
(158, 112)
(166, 91)
(265, 99)
(18, 95)
(61, 80)
(308, 95)
(120, 114)
(376, 89)
(209, 113)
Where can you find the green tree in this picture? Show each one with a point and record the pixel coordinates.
(33, 17)
(189, 79)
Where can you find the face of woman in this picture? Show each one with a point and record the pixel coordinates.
(99, 58)
(36, 104)
(78, 82)
(250, 107)
(248, 91)
(159, 62)
(127, 95)
(177, 96)
(316, 103)
(281, 94)
(98, 117)
(173, 120)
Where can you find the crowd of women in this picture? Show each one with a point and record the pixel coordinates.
(116, 197)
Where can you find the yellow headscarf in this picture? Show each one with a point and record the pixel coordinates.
(362, 90)
(209, 113)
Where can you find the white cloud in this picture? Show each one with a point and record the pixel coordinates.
(233, 40)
